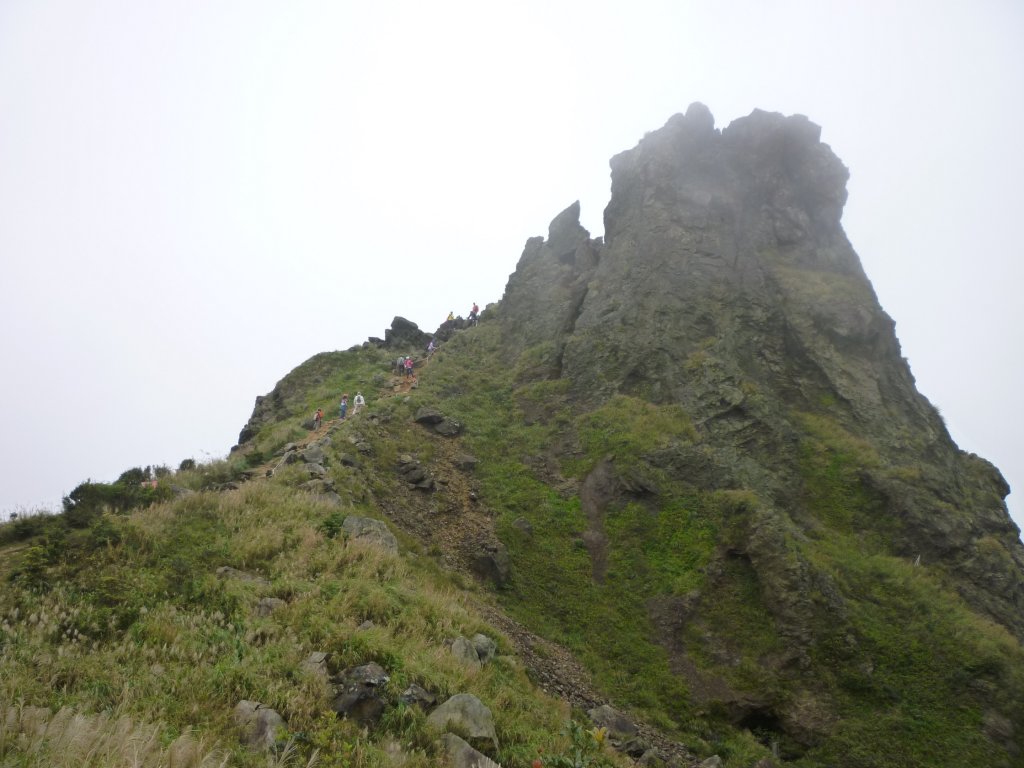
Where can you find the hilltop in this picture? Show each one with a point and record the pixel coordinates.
(682, 471)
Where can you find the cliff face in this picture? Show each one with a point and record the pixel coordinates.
(727, 285)
(692, 452)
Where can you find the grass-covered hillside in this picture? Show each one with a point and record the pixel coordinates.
(710, 610)
(122, 645)
(700, 609)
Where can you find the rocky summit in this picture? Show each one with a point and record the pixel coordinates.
(726, 284)
(675, 500)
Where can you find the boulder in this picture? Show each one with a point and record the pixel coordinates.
(635, 747)
(464, 756)
(428, 416)
(184, 750)
(403, 334)
(466, 713)
(466, 462)
(463, 650)
(358, 693)
(416, 695)
(315, 664)
(448, 427)
(485, 647)
(414, 473)
(314, 454)
(651, 758)
(618, 725)
(712, 762)
(261, 726)
(493, 564)
(369, 530)
(315, 470)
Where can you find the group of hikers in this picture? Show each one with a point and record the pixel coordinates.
(404, 367)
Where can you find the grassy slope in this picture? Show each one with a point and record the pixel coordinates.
(908, 676)
(127, 615)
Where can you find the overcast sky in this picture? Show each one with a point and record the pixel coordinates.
(197, 196)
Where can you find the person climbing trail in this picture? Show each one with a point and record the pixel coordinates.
(318, 419)
(358, 403)
(343, 408)
(408, 367)
(400, 365)
(473, 313)
(430, 348)
(451, 316)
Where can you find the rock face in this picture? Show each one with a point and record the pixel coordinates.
(726, 284)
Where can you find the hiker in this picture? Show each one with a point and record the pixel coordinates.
(473, 314)
(318, 419)
(400, 365)
(344, 406)
(408, 366)
(430, 348)
(451, 316)
(358, 403)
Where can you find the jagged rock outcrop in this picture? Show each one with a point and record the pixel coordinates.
(404, 334)
(726, 284)
(709, 440)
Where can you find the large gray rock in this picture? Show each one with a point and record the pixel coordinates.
(438, 422)
(358, 693)
(314, 454)
(428, 416)
(619, 726)
(464, 756)
(416, 695)
(463, 650)
(404, 334)
(448, 427)
(493, 563)
(485, 647)
(367, 529)
(468, 715)
(465, 462)
(316, 664)
(261, 727)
